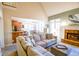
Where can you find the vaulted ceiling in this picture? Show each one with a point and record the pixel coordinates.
(43, 9)
(53, 8)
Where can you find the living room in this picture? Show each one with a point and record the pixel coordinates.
(56, 23)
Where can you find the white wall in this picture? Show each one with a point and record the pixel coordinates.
(1, 29)
(23, 10)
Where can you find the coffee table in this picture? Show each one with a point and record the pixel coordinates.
(58, 52)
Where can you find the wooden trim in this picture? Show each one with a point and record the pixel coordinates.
(7, 5)
(71, 42)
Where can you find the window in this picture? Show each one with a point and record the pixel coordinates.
(55, 27)
(34, 25)
(31, 24)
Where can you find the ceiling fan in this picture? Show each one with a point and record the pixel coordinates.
(74, 18)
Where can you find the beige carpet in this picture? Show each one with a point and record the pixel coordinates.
(9, 50)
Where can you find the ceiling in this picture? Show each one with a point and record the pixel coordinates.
(44, 8)
(53, 8)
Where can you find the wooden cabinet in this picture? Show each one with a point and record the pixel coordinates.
(15, 34)
(16, 26)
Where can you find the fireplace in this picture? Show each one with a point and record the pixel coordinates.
(71, 37)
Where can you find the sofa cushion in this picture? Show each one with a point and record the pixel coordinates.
(41, 43)
(49, 41)
(33, 42)
(42, 36)
(33, 52)
(26, 44)
(20, 38)
(48, 54)
(20, 49)
(23, 42)
(36, 37)
(29, 41)
(42, 51)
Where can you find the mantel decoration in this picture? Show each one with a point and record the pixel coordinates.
(74, 18)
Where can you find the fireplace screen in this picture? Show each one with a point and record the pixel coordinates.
(73, 36)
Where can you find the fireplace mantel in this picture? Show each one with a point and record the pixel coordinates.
(71, 37)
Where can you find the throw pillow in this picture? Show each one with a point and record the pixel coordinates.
(36, 37)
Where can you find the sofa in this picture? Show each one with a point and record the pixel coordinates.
(24, 48)
(41, 40)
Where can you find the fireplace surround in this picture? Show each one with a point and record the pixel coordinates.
(71, 37)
